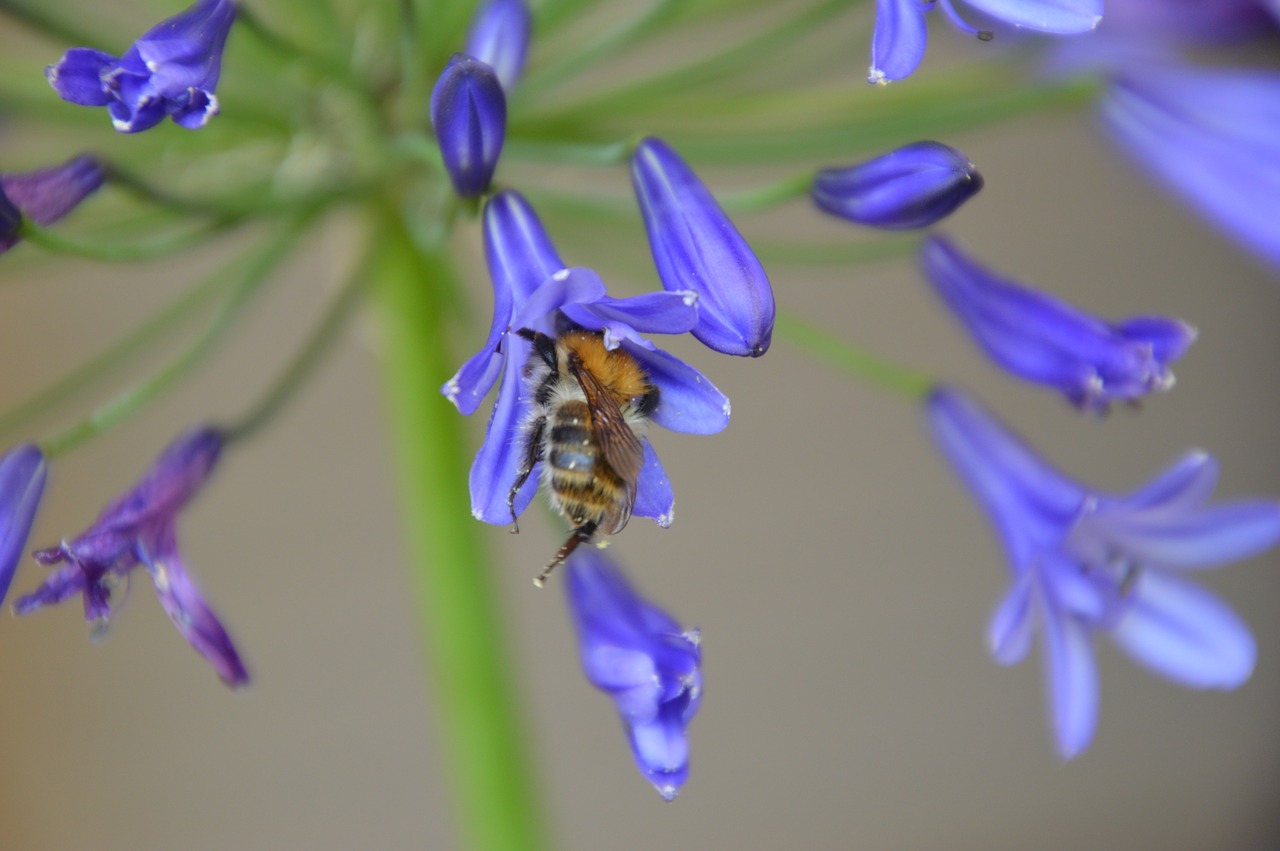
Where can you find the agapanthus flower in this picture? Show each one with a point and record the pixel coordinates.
(1084, 562)
(641, 657)
(45, 195)
(533, 289)
(1188, 20)
(172, 70)
(22, 475)
(499, 37)
(911, 187)
(139, 529)
(1045, 340)
(695, 247)
(469, 116)
(898, 42)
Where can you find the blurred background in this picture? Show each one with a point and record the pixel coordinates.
(841, 576)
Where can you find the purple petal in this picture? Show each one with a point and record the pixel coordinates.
(1184, 633)
(469, 116)
(470, 384)
(1168, 338)
(654, 497)
(63, 583)
(194, 110)
(494, 470)
(499, 35)
(46, 195)
(653, 313)
(185, 51)
(898, 43)
(1190, 539)
(1186, 484)
(687, 401)
(661, 751)
(172, 480)
(519, 252)
(77, 76)
(1050, 16)
(1071, 680)
(567, 286)
(22, 477)
(911, 187)
(1010, 629)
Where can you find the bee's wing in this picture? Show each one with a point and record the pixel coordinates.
(618, 442)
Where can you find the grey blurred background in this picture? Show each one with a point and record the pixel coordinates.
(841, 576)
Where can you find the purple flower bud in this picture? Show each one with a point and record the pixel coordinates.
(171, 70)
(696, 248)
(138, 529)
(1042, 339)
(22, 474)
(1084, 563)
(638, 655)
(45, 195)
(499, 36)
(911, 187)
(469, 115)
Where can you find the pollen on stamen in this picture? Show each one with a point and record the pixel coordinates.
(726, 407)
(560, 275)
(451, 390)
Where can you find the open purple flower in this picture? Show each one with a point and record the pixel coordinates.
(172, 70)
(638, 655)
(1043, 339)
(45, 195)
(695, 247)
(911, 187)
(139, 529)
(898, 42)
(533, 289)
(469, 116)
(1083, 562)
(499, 37)
(22, 475)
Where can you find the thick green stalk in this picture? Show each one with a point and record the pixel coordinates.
(487, 767)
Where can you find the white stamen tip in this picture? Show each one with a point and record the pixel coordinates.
(560, 275)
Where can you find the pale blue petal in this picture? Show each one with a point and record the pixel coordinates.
(653, 313)
(1010, 628)
(1071, 681)
(1187, 483)
(1203, 538)
(567, 286)
(654, 497)
(687, 401)
(496, 464)
(1050, 16)
(898, 43)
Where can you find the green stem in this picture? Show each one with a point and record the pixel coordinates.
(114, 250)
(462, 626)
(765, 197)
(818, 341)
(37, 17)
(134, 398)
(304, 361)
(587, 154)
(842, 253)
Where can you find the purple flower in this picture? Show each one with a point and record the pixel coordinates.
(22, 474)
(1210, 136)
(1042, 339)
(1083, 562)
(171, 70)
(138, 528)
(695, 247)
(532, 288)
(44, 196)
(898, 42)
(1188, 20)
(911, 187)
(640, 657)
(469, 115)
(499, 36)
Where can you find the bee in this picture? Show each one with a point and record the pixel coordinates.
(589, 406)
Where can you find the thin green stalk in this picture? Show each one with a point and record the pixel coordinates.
(114, 250)
(37, 16)
(127, 403)
(768, 196)
(304, 361)
(461, 625)
(841, 253)
(278, 45)
(602, 154)
(852, 359)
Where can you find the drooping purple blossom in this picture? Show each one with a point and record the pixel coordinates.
(1042, 339)
(45, 195)
(22, 476)
(1198, 21)
(469, 116)
(641, 657)
(533, 289)
(139, 529)
(911, 187)
(695, 247)
(1084, 563)
(171, 70)
(499, 36)
(898, 41)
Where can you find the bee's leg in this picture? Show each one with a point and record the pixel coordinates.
(580, 535)
(532, 455)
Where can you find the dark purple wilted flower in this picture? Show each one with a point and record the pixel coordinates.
(695, 247)
(1042, 339)
(640, 657)
(171, 70)
(898, 43)
(911, 187)
(22, 474)
(499, 36)
(139, 529)
(44, 196)
(532, 288)
(1083, 562)
(469, 115)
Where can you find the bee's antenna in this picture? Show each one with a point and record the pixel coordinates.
(580, 535)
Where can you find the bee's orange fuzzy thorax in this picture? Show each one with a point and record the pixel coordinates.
(616, 370)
